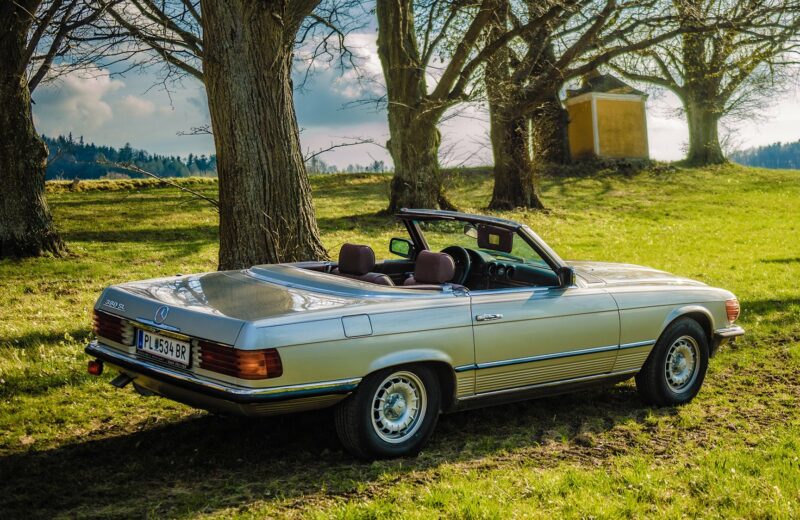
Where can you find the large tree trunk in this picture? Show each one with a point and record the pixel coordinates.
(704, 147)
(414, 146)
(515, 179)
(414, 142)
(515, 182)
(266, 212)
(550, 141)
(26, 226)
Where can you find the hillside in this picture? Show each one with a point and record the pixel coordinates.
(732, 452)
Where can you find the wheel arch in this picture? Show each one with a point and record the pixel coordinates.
(436, 359)
(698, 313)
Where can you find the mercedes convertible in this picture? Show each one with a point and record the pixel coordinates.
(472, 310)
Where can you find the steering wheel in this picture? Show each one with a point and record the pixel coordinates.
(461, 258)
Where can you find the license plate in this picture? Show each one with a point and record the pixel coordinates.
(176, 351)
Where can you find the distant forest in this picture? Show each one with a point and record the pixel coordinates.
(72, 158)
(777, 155)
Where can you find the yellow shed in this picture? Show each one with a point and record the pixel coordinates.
(607, 118)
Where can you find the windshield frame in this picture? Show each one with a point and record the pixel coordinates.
(410, 218)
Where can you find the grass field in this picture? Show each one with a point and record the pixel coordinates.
(71, 445)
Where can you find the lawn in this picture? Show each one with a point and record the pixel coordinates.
(71, 445)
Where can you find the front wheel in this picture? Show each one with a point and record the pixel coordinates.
(392, 414)
(676, 368)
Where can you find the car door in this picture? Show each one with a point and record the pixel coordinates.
(538, 335)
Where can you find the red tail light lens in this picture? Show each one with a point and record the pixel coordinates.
(245, 364)
(95, 367)
(112, 327)
(732, 308)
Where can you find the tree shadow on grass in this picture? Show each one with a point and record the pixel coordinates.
(208, 463)
(207, 233)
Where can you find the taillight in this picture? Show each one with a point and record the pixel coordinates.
(112, 327)
(245, 364)
(732, 309)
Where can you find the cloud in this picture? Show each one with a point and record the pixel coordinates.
(134, 106)
(75, 99)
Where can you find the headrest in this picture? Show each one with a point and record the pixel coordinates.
(356, 259)
(434, 267)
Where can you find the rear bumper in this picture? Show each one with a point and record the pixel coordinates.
(195, 391)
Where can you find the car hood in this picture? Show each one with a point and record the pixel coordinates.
(613, 274)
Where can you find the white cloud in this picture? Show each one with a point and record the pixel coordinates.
(75, 100)
(135, 106)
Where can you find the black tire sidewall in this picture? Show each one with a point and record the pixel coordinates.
(684, 327)
(378, 447)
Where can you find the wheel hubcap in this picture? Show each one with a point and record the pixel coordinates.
(682, 361)
(398, 407)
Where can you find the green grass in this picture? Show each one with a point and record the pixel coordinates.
(72, 445)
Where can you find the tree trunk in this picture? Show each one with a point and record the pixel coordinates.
(515, 179)
(266, 211)
(414, 142)
(550, 141)
(414, 146)
(704, 147)
(515, 182)
(26, 226)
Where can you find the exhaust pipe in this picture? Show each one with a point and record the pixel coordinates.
(122, 380)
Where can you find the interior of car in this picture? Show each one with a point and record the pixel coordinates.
(478, 257)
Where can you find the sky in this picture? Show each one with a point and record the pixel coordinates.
(139, 109)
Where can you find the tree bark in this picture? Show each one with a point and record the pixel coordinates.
(26, 226)
(550, 141)
(266, 210)
(515, 182)
(414, 143)
(704, 147)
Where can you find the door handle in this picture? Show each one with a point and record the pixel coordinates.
(488, 317)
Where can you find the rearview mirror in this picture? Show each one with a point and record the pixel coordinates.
(566, 276)
(470, 231)
(401, 247)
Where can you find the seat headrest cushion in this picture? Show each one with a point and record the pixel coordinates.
(356, 259)
(434, 267)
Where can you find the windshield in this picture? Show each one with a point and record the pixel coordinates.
(499, 243)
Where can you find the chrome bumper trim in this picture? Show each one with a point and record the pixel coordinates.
(228, 392)
(729, 332)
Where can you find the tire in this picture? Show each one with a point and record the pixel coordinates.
(676, 368)
(370, 432)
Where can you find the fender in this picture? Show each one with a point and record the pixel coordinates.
(405, 357)
(684, 310)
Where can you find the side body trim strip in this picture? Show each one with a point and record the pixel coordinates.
(549, 384)
(556, 355)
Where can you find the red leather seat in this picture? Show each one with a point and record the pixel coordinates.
(357, 261)
(431, 270)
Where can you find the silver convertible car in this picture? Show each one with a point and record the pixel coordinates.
(494, 316)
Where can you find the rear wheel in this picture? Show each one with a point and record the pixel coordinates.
(392, 414)
(676, 368)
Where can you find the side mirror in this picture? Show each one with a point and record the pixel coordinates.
(401, 247)
(566, 276)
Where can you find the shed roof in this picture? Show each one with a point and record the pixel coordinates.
(604, 83)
